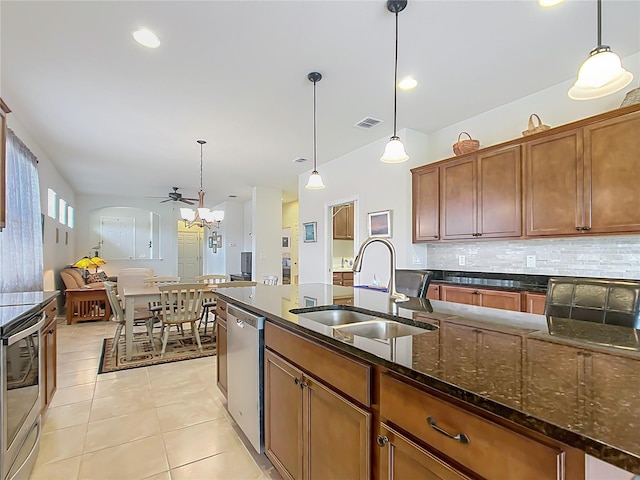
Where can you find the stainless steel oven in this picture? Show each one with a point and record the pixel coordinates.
(20, 370)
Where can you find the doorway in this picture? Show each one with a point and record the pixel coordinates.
(343, 234)
(189, 254)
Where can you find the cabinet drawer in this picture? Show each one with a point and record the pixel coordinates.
(349, 376)
(221, 308)
(492, 451)
(51, 310)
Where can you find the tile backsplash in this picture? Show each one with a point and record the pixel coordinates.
(610, 256)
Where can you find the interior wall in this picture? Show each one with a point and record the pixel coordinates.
(57, 254)
(226, 260)
(376, 186)
(266, 233)
(290, 215)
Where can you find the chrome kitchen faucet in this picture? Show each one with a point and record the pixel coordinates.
(357, 266)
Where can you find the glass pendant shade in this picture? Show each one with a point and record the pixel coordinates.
(601, 74)
(187, 214)
(218, 215)
(394, 152)
(315, 181)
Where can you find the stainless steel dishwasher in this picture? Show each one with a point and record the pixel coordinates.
(245, 367)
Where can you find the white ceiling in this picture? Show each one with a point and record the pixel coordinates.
(118, 118)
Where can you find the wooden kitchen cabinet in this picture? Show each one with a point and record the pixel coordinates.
(481, 195)
(221, 345)
(584, 180)
(343, 278)
(4, 111)
(463, 440)
(401, 459)
(433, 292)
(425, 204)
(482, 297)
(49, 354)
(311, 430)
(533, 302)
(343, 220)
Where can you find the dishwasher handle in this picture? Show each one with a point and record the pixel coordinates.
(244, 318)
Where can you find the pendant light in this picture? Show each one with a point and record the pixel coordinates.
(315, 180)
(394, 151)
(602, 73)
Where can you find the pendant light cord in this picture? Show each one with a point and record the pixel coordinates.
(395, 82)
(599, 23)
(315, 150)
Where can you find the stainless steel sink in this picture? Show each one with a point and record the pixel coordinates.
(337, 317)
(381, 329)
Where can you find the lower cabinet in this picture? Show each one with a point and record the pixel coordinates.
(501, 299)
(221, 346)
(49, 354)
(448, 435)
(401, 458)
(343, 278)
(311, 430)
(533, 302)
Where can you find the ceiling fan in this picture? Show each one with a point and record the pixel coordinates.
(177, 197)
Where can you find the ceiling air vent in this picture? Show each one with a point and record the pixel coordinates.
(368, 122)
(299, 160)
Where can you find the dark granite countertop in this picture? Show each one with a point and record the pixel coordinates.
(569, 382)
(497, 281)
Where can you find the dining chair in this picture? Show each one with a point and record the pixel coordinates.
(161, 280)
(141, 317)
(209, 300)
(155, 307)
(181, 303)
(270, 279)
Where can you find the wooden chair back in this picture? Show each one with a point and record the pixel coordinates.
(270, 280)
(181, 302)
(161, 280)
(212, 278)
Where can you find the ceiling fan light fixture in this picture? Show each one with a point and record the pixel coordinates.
(146, 38)
(394, 152)
(315, 180)
(602, 73)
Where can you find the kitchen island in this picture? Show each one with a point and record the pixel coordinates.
(578, 390)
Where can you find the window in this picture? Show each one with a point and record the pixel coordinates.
(52, 205)
(62, 211)
(71, 221)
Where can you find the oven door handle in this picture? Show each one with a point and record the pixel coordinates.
(26, 332)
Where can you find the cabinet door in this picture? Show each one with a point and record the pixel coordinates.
(221, 363)
(347, 279)
(459, 194)
(50, 361)
(534, 303)
(433, 292)
(337, 278)
(426, 205)
(337, 435)
(402, 459)
(501, 379)
(499, 299)
(458, 344)
(554, 372)
(499, 197)
(283, 415)
(612, 170)
(458, 295)
(343, 222)
(554, 184)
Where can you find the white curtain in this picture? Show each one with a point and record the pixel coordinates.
(21, 239)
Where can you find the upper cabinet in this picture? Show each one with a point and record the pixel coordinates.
(4, 110)
(426, 204)
(584, 180)
(481, 195)
(343, 222)
(576, 179)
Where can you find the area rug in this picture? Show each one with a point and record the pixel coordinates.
(178, 349)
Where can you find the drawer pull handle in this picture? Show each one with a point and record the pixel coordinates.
(382, 441)
(461, 437)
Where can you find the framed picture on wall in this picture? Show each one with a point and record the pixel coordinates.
(379, 224)
(219, 241)
(211, 241)
(309, 232)
(310, 301)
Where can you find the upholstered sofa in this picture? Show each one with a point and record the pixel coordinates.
(84, 301)
(72, 278)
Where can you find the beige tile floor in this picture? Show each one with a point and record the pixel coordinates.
(166, 422)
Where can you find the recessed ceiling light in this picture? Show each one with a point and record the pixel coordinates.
(549, 3)
(146, 38)
(300, 160)
(407, 83)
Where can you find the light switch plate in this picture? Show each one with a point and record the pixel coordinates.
(531, 261)
(461, 260)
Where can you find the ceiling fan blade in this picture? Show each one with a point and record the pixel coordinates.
(185, 200)
(190, 199)
(167, 200)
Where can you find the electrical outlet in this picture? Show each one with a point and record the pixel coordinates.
(461, 260)
(531, 261)
(417, 260)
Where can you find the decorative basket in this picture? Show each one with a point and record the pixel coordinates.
(632, 96)
(533, 128)
(465, 146)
